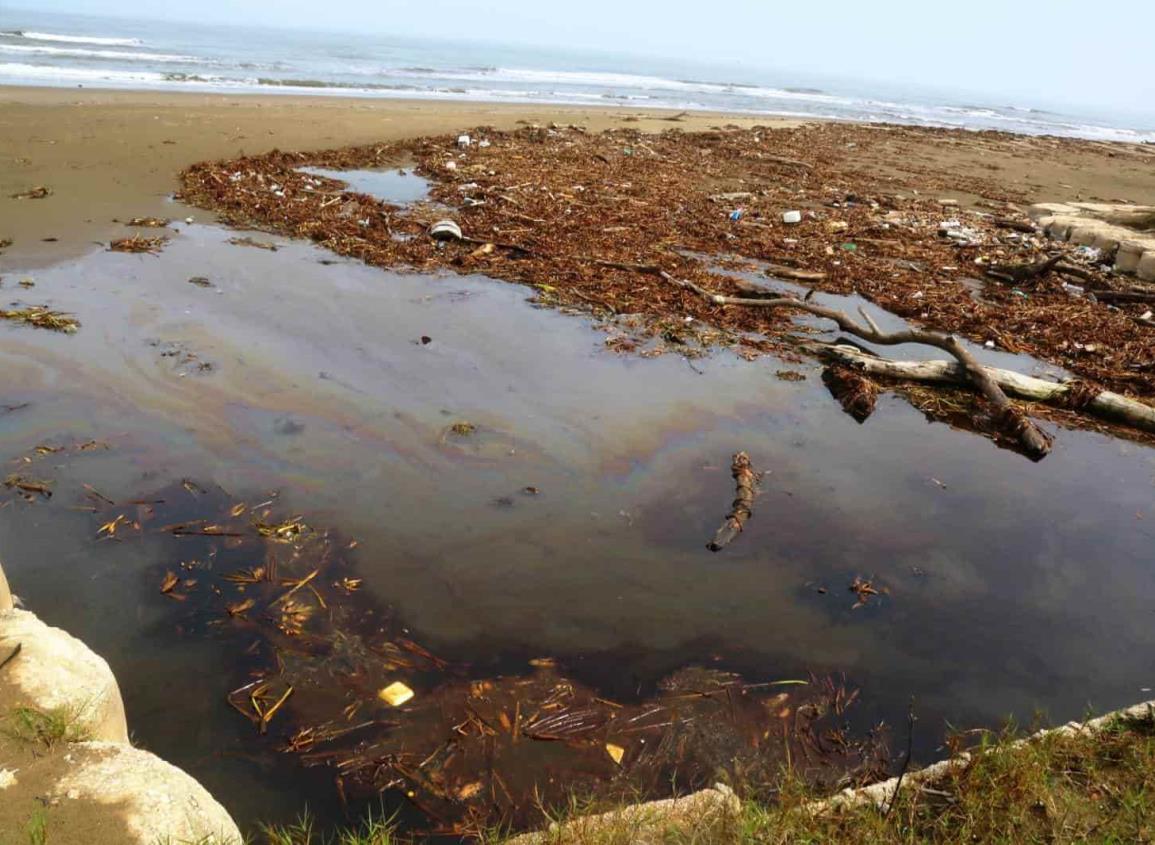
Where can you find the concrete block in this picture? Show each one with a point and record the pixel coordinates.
(102, 793)
(1146, 267)
(55, 671)
(1127, 259)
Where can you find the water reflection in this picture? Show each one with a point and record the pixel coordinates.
(1012, 586)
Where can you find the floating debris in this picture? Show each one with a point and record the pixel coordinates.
(396, 694)
(247, 241)
(319, 678)
(42, 317)
(863, 589)
(29, 487)
(138, 243)
(200, 282)
(746, 481)
(149, 222)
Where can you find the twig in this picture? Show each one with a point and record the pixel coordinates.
(747, 483)
(910, 720)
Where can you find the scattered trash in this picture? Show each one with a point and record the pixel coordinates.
(26, 283)
(200, 282)
(149, 222)
(737, 214)
(837, 226)
(792, 217)
(463, 141)
(445, 230)
(396, 694)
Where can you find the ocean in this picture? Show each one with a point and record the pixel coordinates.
(63, 50)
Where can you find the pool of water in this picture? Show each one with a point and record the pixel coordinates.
(397, 186)
(1011, 586)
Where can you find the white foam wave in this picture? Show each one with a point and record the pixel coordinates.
(78, 39)
(73, 74)
(81, 53)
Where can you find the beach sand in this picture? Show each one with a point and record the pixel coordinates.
(110, 155)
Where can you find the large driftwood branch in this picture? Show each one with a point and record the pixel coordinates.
(746, 482)
(1103, 403)
(1010, 419)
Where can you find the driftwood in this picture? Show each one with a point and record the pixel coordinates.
(1102, 403)
(1035, 444)
(1123, 295)
(852, 389)
(1017, 225)
(741, 510)
(1020, 273)
(783, 272)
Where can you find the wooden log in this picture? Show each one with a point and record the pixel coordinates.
(746, 481)
(1105, 404)
(1036, 445)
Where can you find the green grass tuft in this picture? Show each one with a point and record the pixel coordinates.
(46, 728)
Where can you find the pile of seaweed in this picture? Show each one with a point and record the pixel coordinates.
(593, 220)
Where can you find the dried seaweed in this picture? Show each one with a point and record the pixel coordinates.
(42, 317)
(621, 201)
(138, 243)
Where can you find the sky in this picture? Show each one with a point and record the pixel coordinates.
(1042, 51)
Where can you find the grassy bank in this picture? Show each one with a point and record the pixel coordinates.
(1058, 788)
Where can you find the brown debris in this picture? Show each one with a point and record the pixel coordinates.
(149, 222)
(247, 241)
(37, 193)
(42, 317)
(331, 678)
(138, 243)
(854, 391)
(620, 200)
(746, 481)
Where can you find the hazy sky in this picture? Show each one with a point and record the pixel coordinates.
(1037, 51)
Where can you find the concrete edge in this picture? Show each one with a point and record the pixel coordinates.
(882, 794)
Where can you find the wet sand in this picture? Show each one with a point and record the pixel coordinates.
(109, 155)
(1012, 586)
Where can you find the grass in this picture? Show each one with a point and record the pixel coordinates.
(371, 832)
(37, 828)
(1058, 789)
(46, 728)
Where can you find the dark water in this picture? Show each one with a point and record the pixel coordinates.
(1013, 587)
(42, 48)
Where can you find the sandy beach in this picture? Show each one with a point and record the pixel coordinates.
(114, 154)
(110, 155)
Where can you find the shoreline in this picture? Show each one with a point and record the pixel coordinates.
(110, 155)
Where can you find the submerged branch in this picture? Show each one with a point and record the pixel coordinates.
(742, 509)
(1011, 420)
